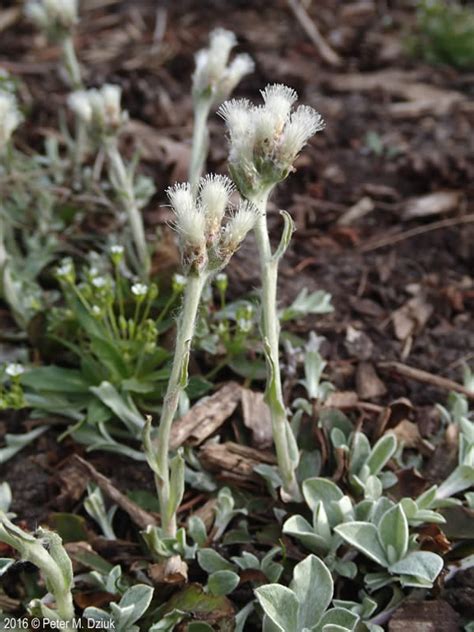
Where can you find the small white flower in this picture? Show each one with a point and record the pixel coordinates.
(79, 103)
(14, 369)
(116, 249)
(190, 220)
(99, 108)
(214, 194)
(66, 269)
(303, 124)
(139, 289)
(10, 117)
(96, 310)
(99, 282)
(179, 282)
(212, 78)
(239, 225)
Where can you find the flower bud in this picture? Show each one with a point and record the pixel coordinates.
(99, 109)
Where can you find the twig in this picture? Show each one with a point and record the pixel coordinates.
(427, 378)
(413, 232)
(312, 31)
(139, 516)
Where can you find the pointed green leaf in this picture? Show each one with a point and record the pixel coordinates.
(307, 575)
(393, 531)
(381, 453)
(280, 605)
(364, 537)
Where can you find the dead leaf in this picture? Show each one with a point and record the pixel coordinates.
(368, 383)
(432, 538)
(206, 416)
(361, 208)
(408, 433)
(257, 418)
(411, 317)
(342, 400)
(173, 570)
(431, 204)
(358, 343)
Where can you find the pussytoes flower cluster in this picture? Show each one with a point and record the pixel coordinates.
(209, 230)
(214, 78)
(99, 108)
(55, 17)
(266, 139)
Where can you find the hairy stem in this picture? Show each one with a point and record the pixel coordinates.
(123, 185)
(271, 335)
(200, 143)
(71, 64)
(184, 335)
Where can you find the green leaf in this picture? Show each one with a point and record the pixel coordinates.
(280, 605)
(421, 564)
(133, 605)
(340, 617)
(364, 537)
(55, 379)
(381, 453)
(222, 582)
(211, 561)
(360, 451)
(309, 574)
(288, 230)
(123, 407)
(393, 533)
(15, 443)
(299, 528)
(323, 490)
(318, 302)
(176, 483)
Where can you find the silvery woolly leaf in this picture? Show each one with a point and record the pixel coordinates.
(168, 622)
(133, 605)
(317, 490)
(460, 479)
(381, 453)
(5, 497)
(321, 523)
(280, 606)
(344, 619)
(197, 530)
(247, 560)
(364, 537)
(373, 488)
(379, 509)
(420, 564)
(360, 451)
(345, 568)
(299, 528)
(176, 483)
(211, 561)
(309, 574)
(393, 533)
(222, 582)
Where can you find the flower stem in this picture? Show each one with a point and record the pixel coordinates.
(178, 377)
(271, 334)
(71, 64)
(123, 185)
(200, 143)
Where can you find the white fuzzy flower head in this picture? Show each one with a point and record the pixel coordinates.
(10, 117)
(242, 221)
(66, 271)
(14, 369)
(140, 290)
(190, 224)
(265, 140)
(55, 17)
(99, 282)
(79, 103)
(214, 195)
(99, 109)
(213, 78)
